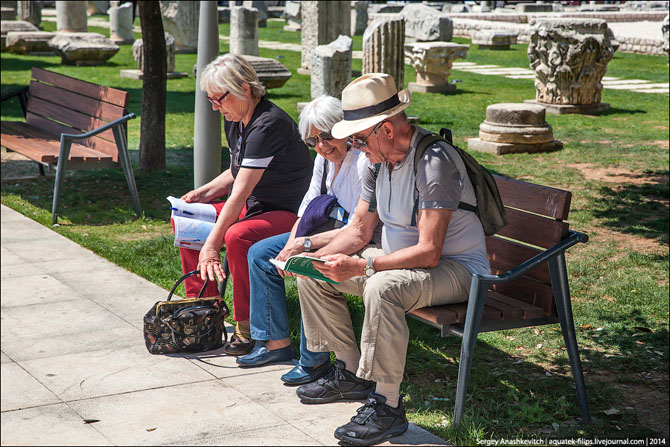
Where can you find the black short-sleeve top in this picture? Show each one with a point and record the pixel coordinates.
(271, 141)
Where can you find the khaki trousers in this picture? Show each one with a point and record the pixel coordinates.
(388, 295)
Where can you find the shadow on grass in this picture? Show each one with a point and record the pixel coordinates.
(619, 111)
(638, 209)
(27, 63)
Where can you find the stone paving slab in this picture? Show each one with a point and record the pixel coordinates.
(73, 351)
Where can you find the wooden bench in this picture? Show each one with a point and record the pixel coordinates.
(60, 110)
(529, 284)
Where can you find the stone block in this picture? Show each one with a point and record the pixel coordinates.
(71, 17)
(564, 109)
(665, 28)
(476, 144)
(494, 39)
(359, 17)
(244, 30)
(7, 14)
(83, 48)
(432, 62)
(8, 26)
(331, 67)
(293, 16)
(534, 7)
(424, 23)
(262, 8)
(271, 72)
(224, 14)
(181, 20)
(30, 11)
(121, 24)
(322, 22)
(138, 55)
(383, 49)
(29, 42)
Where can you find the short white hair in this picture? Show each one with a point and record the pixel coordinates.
(321, 113)
(227, 73)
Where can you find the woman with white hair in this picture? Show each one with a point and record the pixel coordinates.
(270, 170)
(337, 173)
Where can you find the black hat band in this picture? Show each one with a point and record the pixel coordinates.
(366, 112)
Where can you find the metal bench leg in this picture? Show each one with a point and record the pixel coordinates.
(41, 168)
(226, 272)
(473, 319)
(63, 155)
(559, 283)
(124, 159)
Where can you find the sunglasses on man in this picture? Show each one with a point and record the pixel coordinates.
(313, 141)
(217, 102)
(355, 142)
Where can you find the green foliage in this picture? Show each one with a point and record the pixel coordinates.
(616, 166)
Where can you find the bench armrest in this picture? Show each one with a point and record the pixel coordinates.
(22, 93)
(573, 238)
(71, 137)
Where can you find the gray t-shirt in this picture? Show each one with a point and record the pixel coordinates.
(441, 183)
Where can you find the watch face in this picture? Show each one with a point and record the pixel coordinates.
(369, 271)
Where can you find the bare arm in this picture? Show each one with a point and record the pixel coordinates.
(354, 237)
(216, 188)
(209, 261)
(432, 225)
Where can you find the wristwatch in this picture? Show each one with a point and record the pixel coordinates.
(369, 268)
(307, 244)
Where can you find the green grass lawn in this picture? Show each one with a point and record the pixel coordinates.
(615, 164)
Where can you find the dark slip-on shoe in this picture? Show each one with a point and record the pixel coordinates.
(301, 375)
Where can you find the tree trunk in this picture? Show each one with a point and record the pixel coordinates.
(152, 131)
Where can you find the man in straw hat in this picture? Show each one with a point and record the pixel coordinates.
(425, 264)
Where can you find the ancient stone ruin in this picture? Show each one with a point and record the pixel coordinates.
(331, 67)
(30, 42)
(138, 55)
(121, 24)
(244, 30)
(181, 20)
(383, 49)
(71, 17)
(271, 73)
(83, 48)
(322, 22)
(426, 24)
(359, 17)
(570, 58)
(489, 39)
(19, 26)
(30, 11)
(513, 128)
(293, 17)
(432, 62)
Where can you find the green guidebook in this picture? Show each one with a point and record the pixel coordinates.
(302, 265)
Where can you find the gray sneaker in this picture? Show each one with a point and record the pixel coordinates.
(338, 384)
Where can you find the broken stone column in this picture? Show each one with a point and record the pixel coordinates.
(322, 22)
(138, 55)
(30, 11)
(244, 30)
(293, 16)
(570, 58)
(71, 17)
(181, 20)
(489, 39)
(513, 128)
(359, 17)
(426, 24)
(271, 73)
(97, 7)
(331, 67)
(83, 48)
(432, 62)
(383, 43)
(121, 24)
(262, 11)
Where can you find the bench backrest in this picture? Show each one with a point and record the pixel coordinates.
(536, 216)
(61, 104)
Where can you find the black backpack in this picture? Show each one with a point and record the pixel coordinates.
(489, 209)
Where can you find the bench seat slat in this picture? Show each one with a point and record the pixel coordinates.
(75, 101)
(438, 314)
(533, 229)
(528, 290)
(98, 92)
(534, 198)
(26, 139)
(525, 310)
(55, 129)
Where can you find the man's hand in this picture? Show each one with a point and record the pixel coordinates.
(209, 263)
(193, 197)
(339, 267)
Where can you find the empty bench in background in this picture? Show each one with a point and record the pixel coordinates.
(529, 284)
(71, 124)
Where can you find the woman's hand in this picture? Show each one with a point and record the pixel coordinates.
(194, 196)
(292, 249)
(209, 263)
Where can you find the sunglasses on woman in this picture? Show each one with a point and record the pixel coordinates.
(313, 141)
(217, 102)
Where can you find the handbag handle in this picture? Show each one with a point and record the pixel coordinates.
(179, 281)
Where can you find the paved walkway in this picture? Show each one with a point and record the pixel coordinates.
(75, 369)
(635, 85)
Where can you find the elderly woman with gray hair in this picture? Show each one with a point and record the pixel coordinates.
(337, 173)
(269, 173)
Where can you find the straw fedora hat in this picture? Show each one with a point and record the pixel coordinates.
(368, 100)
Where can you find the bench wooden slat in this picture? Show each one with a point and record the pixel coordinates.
(527, 290)
(75, 101)
(438, 314)
(534, 198)
(525, 310)
(41, 146)
(509, 312)
(506, 255)
(98, 92)
(56, 129)
(72, 118)
(533, 229)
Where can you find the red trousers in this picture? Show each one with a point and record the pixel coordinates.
(238, 240)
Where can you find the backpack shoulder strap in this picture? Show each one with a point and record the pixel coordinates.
(373, 202)
(324, 190)
(425, 141)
